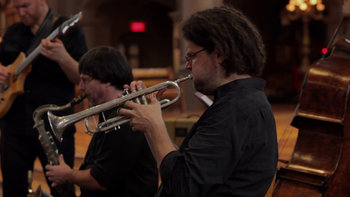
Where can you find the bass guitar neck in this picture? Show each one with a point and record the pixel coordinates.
(22, 66)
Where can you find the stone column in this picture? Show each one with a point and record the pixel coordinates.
(176, 16)
(53, 4)
(66, 7)
(97, 30)
(2, 24)
(186, 8)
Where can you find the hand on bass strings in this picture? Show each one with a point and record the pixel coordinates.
(54, 50)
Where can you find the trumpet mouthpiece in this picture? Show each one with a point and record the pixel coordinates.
(190, 76)
(77, 100)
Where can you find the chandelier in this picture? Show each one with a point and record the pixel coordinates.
(305, 10)
(305, 5)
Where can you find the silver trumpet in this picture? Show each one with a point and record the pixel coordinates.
(59, 124)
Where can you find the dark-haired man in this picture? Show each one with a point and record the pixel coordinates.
(232, 149)
(118, 162)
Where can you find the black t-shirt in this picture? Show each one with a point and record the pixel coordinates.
(46, 83)
(121, 161)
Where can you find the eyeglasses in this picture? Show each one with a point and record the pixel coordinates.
(190, 56)
(85, 81)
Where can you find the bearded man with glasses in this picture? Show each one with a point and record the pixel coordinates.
(232, 149)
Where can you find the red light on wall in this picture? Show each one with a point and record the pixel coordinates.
(138, 27)
(324, 50)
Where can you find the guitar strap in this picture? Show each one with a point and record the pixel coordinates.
(44, 31)
(159, 191)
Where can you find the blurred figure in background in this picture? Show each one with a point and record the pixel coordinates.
(51, 81)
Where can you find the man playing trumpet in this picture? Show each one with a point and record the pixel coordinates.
(232, 149)
(118, 162)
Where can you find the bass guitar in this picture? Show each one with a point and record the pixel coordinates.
(22, 66)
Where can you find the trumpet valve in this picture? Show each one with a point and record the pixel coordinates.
(126, 91)
(143, 98)
(136, 99)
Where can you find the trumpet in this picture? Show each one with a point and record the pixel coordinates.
(59, 124)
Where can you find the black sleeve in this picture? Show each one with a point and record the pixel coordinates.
(3, 56)
(75, 42)
(9, 47)
(118, 153)
(212, 154)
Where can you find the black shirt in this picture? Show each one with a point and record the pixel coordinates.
(121, 161)
(231, 150)
(46, 83)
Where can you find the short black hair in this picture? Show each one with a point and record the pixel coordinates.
(228, 30)
(108, 65)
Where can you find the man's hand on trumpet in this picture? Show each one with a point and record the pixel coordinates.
(148, 119)
(142, 116)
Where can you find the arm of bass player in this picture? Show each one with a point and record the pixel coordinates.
(56, 51)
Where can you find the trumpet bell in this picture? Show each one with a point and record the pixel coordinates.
(57, 125)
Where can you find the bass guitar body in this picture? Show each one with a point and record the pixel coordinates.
(14, 85)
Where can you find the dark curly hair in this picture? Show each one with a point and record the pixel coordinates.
(228, 30)
(108, 65)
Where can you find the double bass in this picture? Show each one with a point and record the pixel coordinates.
(320, 163)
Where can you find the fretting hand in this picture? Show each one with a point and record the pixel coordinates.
(4, 74)
(54, 50)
